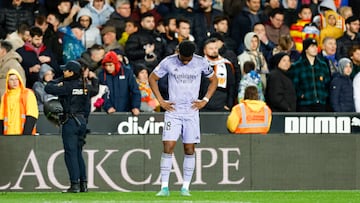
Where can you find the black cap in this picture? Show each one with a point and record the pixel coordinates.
(307, 42)
(187, 48)
(351, 19)
(275, 60)
(73, 66)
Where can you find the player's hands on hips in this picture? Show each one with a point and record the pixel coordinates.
(199, 104)
(168, 106)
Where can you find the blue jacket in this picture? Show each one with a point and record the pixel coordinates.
(341, 93)
(124, 93)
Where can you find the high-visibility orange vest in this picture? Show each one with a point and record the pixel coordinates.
(23, 98)
(253, 122)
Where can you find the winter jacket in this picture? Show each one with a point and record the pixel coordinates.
(31, 57)
(341, 89)
(280, 92)
(124, 93)
(39, 88)
(135, 47)
(225, 94)
(11, 17)
(311, 82)
(341, 93)
(91, 34)
(201, 28)
(99, 18)
(72, 47)
(243, 23)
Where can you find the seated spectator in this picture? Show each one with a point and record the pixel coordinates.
(250, 78)
(250, 115)
(120, 16)
(9, 60)
(46, 74)
(290, 11)
(145, 6)
(221, 26)
(13, 14)
(72, 45)
(341, 88)
(130, 27)
(280, 91)
(183, 30)
(91, 34)
(93, 57)
(355, 58)
(224, 97)
(20, 36)
(181, 9)
(350, 38)
(252, 53)
(148, 101)
(145, 46)
(328, 54)
(100, 12)
(286, 45)
(66, 10)
(35, 54)
(331, 27)
(266, 46)
(297, 28)
(275, 27)
(124, 94)
(18, 108)
(269, 6)
(110, 42)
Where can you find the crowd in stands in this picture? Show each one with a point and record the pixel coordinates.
(301, 55)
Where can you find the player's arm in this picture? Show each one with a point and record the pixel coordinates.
(212, 86)
(153, 82)
(153, 79)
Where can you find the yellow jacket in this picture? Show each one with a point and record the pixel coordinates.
(16, 104)
(250, 116)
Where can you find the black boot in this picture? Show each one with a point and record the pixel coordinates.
(83, 186)
(74, 188)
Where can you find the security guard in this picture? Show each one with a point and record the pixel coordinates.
(73, 97)
(251, 115)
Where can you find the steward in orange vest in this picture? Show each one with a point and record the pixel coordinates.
(18, 109)
(251, 115)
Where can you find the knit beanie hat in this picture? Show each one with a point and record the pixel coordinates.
(307, 42)
(275, 60)
(111, 57)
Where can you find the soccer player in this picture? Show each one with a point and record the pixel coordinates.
(184, 72)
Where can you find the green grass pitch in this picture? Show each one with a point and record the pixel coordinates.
(311, 196)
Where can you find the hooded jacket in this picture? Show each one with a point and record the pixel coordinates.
(11, 60)
(18, 109)
(124, 93)
(39, 88)
(99, 18)
(252, 55)
(335, 31)
(250, 116)
(91, 34)
(341, 89)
